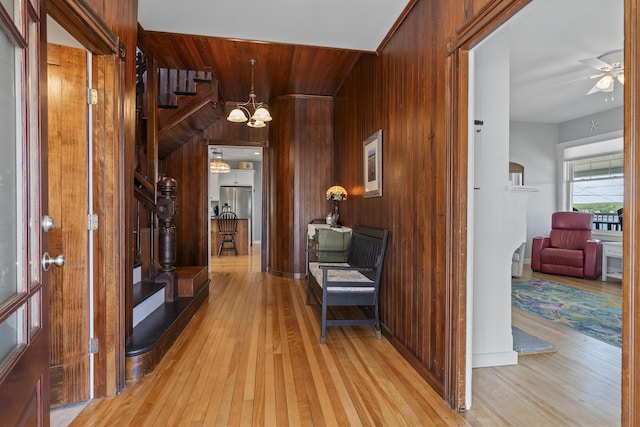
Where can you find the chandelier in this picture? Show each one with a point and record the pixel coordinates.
(217, 165)
(241, 113)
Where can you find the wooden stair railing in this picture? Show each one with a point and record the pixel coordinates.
(174, 83)
(144, 191)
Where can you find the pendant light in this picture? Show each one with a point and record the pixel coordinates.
(242, 112)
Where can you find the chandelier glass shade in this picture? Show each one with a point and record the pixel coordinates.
(242, 112)
(217, 165)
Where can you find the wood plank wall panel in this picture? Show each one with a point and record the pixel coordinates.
(223, 131)
(402, 92)
(301, 144)
(189, 166)
(108, 203)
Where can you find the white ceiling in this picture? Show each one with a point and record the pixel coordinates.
(345, 24)
(548, 38)
(249, 154)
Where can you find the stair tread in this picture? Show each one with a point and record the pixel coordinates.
(150, 330)
(168, 319)
(144, 289)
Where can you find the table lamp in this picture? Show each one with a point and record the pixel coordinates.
(337, 194)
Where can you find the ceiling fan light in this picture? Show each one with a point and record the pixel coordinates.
(237, 116)
(262, 114)
(605, 84)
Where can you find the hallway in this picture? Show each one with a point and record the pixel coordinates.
(251, 356)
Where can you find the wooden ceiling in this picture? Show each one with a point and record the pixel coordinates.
(281, 69)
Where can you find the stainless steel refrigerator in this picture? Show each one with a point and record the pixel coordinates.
(238, 200)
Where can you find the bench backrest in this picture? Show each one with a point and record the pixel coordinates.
(367, 248)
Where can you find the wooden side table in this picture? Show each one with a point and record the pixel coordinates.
(610, 250)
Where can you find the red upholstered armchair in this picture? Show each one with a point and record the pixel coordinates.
(569, 249)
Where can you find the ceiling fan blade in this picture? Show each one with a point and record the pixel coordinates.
(595, 76)
(594, 89)
(620, 78)
(595, 63)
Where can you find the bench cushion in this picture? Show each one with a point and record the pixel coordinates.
(341, 276)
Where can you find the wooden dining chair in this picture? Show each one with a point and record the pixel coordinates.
(227, 229)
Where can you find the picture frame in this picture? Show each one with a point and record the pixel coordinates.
(372, 158)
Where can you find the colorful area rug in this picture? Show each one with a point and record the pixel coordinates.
(595, 315)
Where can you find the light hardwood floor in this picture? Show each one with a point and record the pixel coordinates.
(251, 356)
(578, 385)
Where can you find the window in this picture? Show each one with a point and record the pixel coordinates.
(596, 184)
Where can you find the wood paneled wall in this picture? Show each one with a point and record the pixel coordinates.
(227, 133)
(402, 91)
(301, 165)
(189, 166)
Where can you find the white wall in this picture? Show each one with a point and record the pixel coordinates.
(257, 203)
(605, 123)
(493, 238)
(534, 146)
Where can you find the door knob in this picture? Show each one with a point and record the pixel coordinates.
(58, 261)
(47, 223)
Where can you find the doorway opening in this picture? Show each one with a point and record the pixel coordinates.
(533, 82)
(70, 201)
(239, 191)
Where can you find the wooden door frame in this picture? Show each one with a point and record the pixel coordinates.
(631, 229)
(492, 16)
(111, 185)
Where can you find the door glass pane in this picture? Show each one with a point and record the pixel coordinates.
(34, 158)
(14, 9)
(34, 305)
(10, 7)
(11, 333)
(10, 210)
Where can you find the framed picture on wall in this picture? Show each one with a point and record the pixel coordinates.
(372, 156)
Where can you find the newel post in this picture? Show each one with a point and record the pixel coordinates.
(166, 210)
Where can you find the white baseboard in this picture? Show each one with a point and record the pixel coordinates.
(503, 358)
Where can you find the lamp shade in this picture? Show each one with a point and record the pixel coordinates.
(252, 123)
(336, 193)
(262, 114)
(237, 116)
(605, 83)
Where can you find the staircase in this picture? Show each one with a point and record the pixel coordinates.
(162, 302)
(187, 105)
(147, 296)
(156, 329)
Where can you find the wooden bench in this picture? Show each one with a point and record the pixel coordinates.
(353, 283)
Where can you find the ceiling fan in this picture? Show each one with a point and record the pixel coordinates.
(610, 67)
